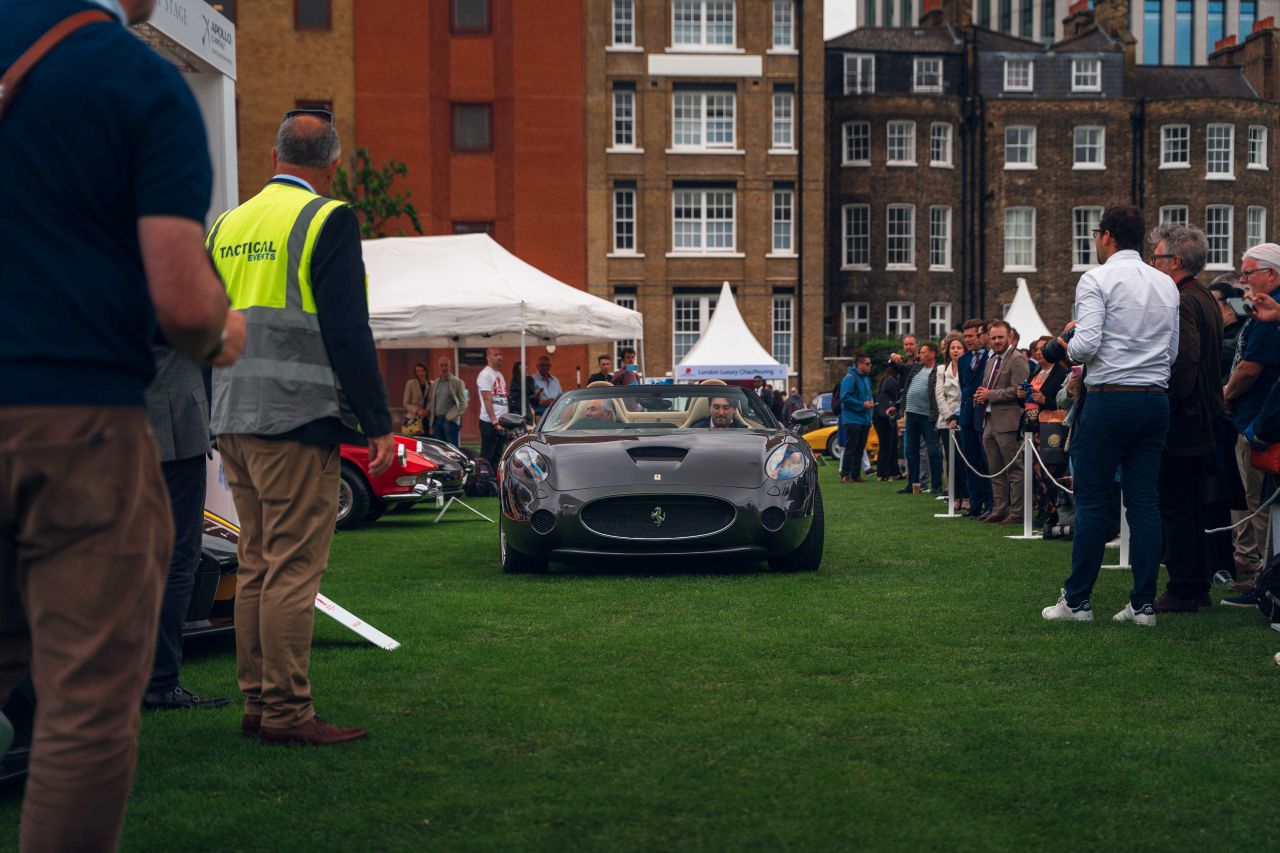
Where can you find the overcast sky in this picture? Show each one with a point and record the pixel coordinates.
(837, 17)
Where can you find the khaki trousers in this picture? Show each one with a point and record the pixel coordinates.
(1250, 539)
(1006, 489)
(286, 494)
(85, 536)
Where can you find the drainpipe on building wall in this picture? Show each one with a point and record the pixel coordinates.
(980, 194)
(797, 314)
(1138, 121)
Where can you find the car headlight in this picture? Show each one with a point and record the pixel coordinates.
(530, 463)
(785, 463)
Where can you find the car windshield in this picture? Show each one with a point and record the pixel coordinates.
(657, 407)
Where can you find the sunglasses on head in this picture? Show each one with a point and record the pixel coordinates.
(323, 115)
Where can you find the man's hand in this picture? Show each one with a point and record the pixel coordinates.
(1265, 308)
(233, 340)
(382, 452)
(980, 395)
(953, 424)
(1068, 327)
(895, 358)
(1020, 393)
(1073, 386)
(890, 410)
(868, 404)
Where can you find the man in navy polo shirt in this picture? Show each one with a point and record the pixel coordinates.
(104, 187)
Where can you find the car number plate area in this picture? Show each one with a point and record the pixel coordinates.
(657, 516)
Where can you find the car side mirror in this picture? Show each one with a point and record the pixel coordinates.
(512, 421)
(803, 417)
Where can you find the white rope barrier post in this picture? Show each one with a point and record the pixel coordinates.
(1123, 563)
(1028, 481)
(951, 478)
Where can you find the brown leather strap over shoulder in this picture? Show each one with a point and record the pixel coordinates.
(12, 78)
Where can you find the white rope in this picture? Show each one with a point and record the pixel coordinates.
(1249, 517)
(1044, 469)
(1015, 459)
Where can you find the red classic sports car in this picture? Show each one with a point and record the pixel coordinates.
(362, 498)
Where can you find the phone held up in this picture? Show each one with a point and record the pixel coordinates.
(1242, 307)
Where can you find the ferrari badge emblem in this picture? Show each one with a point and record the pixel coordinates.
(658, 515)
(657, 476)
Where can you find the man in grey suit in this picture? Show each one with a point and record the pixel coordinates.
(1007, 368)
(178, 409)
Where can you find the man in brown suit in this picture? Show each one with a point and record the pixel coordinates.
(1006, 370)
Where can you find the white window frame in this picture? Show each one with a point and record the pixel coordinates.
(1255, 226)
(1086, 75)
(1012, 64)
(627, 20)
(940, 238)
(861, 81)
(847, 133)
(907, 261)
(705, 307)
(702, 45)
(857, 315)
(1030, 144)
(783, 328)
(626, 300)
(1167, 214)
(1184, 141)
(1019, 267)
(899, 319)
(944, 162)
(784, 21)
(1225, 252)
(939, 324)
(1088, 165)
(910, 126)
(849, 241)
(624, 99)
(1084, 239)
(784, 121)
(702, 100)
(619, 238)
(783, 200)
(700, 198)
(1256, 151)
(922, 70)
(1209, 151)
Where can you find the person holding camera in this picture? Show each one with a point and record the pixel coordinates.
(1126, 334)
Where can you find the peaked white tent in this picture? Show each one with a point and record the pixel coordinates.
(1024, 317)
(727, 349)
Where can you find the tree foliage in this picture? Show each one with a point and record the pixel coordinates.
(369, 190)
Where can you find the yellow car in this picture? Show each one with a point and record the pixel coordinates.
(827, 440)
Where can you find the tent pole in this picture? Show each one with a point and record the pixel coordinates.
(523, 368)
(640, 346)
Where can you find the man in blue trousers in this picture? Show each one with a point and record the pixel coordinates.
(972, 366)
(856, 404)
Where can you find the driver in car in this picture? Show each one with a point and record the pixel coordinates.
(598, 415)
(722, 416)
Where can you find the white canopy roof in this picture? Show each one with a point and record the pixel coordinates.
(1024, 317)
(727, 349)
(466, 290)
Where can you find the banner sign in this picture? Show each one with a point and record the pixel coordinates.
(693, 372)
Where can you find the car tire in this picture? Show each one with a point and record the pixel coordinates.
(354, 497)
(515, 562)
(377, 508)
(834, 448)
(808, 557)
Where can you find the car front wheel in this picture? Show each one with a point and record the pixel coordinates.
(516, 563)
(354, 498)
(808, 557)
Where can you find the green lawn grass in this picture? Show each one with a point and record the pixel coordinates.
(908, 696)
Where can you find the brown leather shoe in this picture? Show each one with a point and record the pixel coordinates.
(994, 519)
(1242, 586)
(314, 731)
(250, 724)
(1167, 603)
(1013, 519)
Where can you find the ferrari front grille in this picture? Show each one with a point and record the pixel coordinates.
(657, 516)
(651, 453)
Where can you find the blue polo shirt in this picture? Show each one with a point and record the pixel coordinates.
(1259, 343)
(102, 132)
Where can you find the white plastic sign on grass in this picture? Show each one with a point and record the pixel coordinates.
(345, 617)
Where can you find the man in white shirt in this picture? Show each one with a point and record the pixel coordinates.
(493, 405)
(1126, 334)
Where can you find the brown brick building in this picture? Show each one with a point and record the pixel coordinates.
(704, 165)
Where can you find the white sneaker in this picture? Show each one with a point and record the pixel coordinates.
(1145, 616)
(1081, 613)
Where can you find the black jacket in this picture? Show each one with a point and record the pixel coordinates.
(1195, 389)
(887, 396)
(1052, 385)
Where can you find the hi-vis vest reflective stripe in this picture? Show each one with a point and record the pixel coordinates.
(262, 249)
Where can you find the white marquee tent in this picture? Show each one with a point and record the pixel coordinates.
(727, 349)
(1024, 317)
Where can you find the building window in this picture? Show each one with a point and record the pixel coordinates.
(1248, 15)
(783, 221)
(470, 16)
(900, 244)
(939, 323)
(940, 144)
(1219, 150)
(624, 23)
(855, 226)
(783, 119)
(1217, 227)
(857, 143)
(474, 227)
(1257, 147)
(1151, 30)
(1019, 147)
(624, 117)
(1216, 18)
(783, 329)
(1183, 28)
(902, 143)
(703, 221)
(927, 75)
(1019, 75)
(1083, 253)
(1020, 239)
(1174, 214)
(1086, 75)
(784, 24)
(689, 317)
(624, 219)
(1090, 148)
(855, 320)
(311, 15)
(626, 300)
(1255, 227)
(940, 238)
(859, 74)
(703, 120)
(702, 23)
(1175, 146)
(899, 319)
(472, 127)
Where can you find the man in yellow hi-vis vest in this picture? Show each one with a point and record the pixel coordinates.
(307, 382)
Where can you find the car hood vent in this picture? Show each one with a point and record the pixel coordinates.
(652, 453)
